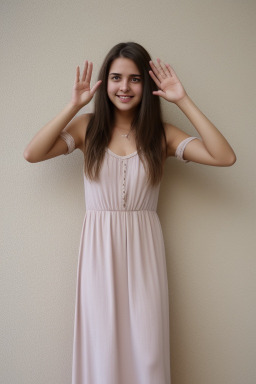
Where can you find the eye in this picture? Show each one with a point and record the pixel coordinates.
(135, 79)
(115, 77)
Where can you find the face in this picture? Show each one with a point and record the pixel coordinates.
(124, 84)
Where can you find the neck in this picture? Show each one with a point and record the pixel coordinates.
(124, 119)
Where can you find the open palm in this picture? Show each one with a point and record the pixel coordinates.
(170, 87)
(82, 92)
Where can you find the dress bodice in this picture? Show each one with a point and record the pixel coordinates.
(122, 185)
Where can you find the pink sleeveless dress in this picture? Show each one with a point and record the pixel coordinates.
(121, 329)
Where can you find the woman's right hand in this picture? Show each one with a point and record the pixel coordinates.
(82, 93)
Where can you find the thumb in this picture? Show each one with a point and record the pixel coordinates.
(159, 93)
(96, 86)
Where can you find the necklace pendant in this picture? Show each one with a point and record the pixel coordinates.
(126, 135)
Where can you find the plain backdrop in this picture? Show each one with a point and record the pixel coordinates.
(207, 213)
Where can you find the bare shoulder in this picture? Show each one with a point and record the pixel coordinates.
(174, 136)
(77, 128)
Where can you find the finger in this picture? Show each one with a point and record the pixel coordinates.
(155, 79)
(85, 70)
(154, 68)
(171, 70)
(162, 68)
(89, 73)
(158, 71)
(77, 74)
(96, 86)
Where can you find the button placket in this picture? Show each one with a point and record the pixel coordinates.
(124, 163)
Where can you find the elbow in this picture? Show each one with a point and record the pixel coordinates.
(230, 161)
(28, 156)
(234, 160)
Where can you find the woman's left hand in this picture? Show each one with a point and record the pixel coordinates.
(170, 87)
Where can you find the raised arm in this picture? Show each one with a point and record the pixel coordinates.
(213, 148)
(47, 142)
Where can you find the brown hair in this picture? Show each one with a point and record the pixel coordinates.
(147, 122)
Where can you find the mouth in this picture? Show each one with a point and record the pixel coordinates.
(124, 99)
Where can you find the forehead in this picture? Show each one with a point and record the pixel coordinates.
(124, 66)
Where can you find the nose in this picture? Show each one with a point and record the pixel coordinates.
(124, 86)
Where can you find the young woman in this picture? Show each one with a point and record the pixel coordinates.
(121, 331)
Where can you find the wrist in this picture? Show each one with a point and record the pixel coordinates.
(73, 108)
(183, 101)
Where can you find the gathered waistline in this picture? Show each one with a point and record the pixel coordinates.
(120, 210)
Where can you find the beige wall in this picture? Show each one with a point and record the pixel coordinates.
(207, 213)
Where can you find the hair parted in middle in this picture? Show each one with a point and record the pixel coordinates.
(147, 123)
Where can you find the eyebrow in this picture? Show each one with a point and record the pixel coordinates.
(119, 74)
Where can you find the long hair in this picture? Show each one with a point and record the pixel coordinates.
(147, 122)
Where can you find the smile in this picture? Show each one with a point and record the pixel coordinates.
(124, 98)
